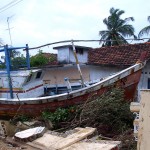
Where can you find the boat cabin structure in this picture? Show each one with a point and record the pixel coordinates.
(25, 83)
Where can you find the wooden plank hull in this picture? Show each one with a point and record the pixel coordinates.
(127, 79)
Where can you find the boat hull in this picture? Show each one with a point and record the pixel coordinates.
(128, 80)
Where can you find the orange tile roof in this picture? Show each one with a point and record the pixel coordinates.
(52, 58)
(125, 55)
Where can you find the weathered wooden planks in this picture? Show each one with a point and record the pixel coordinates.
(91, 146)
(72, 142)
(71, 139)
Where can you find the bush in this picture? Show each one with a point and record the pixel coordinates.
(60, 115)
(38, 60)
(109, 110)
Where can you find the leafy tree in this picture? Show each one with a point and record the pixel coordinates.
(15, 53)
(38, 60)
(117, 29)
(145, 30)
(2, 65)
(18, 62)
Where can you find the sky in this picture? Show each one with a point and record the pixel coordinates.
(38, 22)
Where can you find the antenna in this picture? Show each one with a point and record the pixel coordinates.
(9, 28)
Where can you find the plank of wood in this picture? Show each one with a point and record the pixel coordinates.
(91, 146)
(37, 146)
(53, 142)
(45, 141)
(71, 139)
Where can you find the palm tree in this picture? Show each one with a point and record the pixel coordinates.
(117, 29)
(145, 30)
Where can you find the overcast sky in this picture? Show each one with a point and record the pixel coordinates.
(37, 22)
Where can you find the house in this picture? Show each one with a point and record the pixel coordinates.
(65, 54)
(119, 57)
(55, 76)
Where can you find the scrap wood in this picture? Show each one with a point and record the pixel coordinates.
(10, 143)
(91, 146)
(73, 138)
(45, 141)
(53, 142)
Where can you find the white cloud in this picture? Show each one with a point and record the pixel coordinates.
(39, 22)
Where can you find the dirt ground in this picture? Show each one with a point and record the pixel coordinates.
(8, 145)
(4, 146)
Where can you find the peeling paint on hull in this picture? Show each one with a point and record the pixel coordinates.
(127, 79)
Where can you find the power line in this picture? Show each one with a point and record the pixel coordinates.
(7, 5)
(66, 41)
(11, 6)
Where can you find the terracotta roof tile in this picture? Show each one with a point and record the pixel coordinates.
(125, 55)
(52, 58)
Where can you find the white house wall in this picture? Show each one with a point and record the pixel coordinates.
(63, 55)
(97, 72)
(143, 84)
(82, 58)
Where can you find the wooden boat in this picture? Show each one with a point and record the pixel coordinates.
(127, 79)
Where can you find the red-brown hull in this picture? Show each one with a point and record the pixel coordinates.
(129, 83)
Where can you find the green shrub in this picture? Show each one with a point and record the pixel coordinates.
(60, 115)
(109, 110)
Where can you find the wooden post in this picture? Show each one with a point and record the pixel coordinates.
(78, 66)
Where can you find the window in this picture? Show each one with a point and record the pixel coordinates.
(148, 84)
(29, 77)
(38, 75)
(79, 51)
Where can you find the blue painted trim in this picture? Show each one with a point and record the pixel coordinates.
(11, 48)
(7, 58)
(27, 57)
(14, 48)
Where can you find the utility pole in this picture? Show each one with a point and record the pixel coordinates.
(9, 29)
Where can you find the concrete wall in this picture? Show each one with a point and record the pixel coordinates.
(63, 55)
(143, 84)
(144, 120)
(97, 72)
(83, 58)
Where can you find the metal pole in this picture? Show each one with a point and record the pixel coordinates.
(77, 62)
(9, 30)
(27, 57)
(7, 58)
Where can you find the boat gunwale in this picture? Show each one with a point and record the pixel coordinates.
(78, 92)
